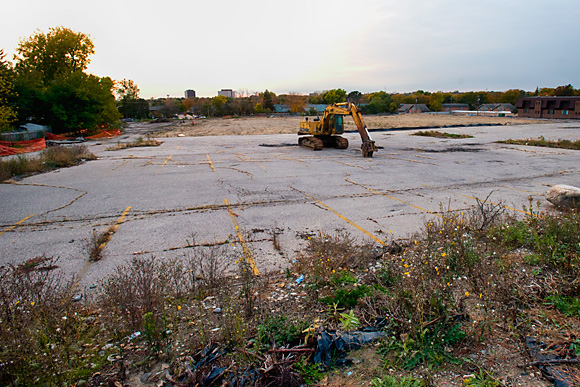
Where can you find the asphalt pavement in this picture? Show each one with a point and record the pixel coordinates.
(244, 192)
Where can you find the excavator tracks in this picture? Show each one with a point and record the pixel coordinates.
(319, 142)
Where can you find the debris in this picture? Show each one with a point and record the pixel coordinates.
(564, 196)
(332, 346)
(300, 279)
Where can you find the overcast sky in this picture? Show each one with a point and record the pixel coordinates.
(302, 46)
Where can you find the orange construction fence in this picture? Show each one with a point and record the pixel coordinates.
(107, 134)
(8, 148)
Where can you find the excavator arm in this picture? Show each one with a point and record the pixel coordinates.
(368, 145)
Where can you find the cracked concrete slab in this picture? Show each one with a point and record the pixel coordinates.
(181, 188)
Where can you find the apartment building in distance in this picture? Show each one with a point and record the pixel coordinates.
(549, 107)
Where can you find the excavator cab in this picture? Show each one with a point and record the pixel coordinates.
(338, 124)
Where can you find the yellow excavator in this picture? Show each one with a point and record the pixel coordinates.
(325, 132)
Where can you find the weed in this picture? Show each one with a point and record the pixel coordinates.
(392, 381)
(347, 298)
(427, 346)
(310, 372)
(570, 306)
(279, 330)
(435, 133)
(481, 379)
(49, 159)
(97, 243)
(542, 142)
(348, 321)
(139, 142)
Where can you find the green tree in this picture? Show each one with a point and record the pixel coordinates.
(354, 97)
(335, 96)
(268, 100)
(127, 89)
(129, 103)
(379, 102)
(79, 101)
(58, 52)
(218, 102)
(52, 86)
(7, 113)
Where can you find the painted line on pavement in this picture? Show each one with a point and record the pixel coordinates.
(15, 224)
(112, 230)
(247, 253)
(392, 197)
(115, 168)
(165, 162)
(209, 162)
(367, 233)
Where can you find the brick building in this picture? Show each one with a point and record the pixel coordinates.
(549, 107)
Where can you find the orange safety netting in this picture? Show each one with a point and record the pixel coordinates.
(50, 136)
(8, 148)
(107, 134)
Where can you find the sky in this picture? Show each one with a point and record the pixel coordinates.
(303, 46)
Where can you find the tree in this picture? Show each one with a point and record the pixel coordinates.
(511, 96)
(79, 101)
(127, 89)
(268, 100)
(435, 101)
(61, 51)
(564, 91)
(335, 96)
(218, 102)
(354, 97)
(7, 113)
(379, 102)
(52, 86)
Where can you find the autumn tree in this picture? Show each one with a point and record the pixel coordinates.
(435, 101)
(564, 91)
(511, 96)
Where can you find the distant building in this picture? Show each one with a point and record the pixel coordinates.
(449, 107)
(189, 93)
(227, 93)
(549, 107)
(496, 107)
(414, 108)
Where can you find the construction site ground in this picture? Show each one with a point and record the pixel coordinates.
(240, 190)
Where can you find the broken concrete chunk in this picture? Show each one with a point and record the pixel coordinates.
(564, 196)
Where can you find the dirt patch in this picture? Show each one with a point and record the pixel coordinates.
(290, 125)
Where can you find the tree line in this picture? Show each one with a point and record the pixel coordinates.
(48, 84)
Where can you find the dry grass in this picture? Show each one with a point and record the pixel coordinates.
(290, 125)
(140, 142)
(48, 160)
(472, 285)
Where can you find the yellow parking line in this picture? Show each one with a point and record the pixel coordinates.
(165, 162)
(347, 220)
(15, 224)
(85, 268)
(117, 167)
(247, 253)
(210, 163)
(392, 197)
(114, 228)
